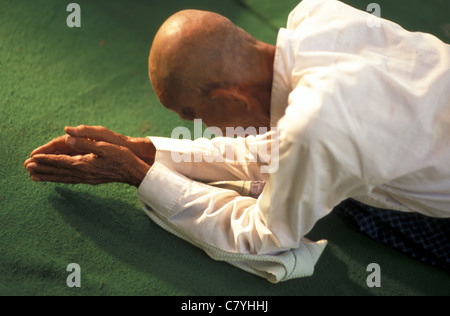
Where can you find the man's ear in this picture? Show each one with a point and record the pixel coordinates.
(230, 95)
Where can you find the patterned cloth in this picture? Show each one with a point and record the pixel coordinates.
(424, 238)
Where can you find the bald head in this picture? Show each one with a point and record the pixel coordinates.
(199, 56)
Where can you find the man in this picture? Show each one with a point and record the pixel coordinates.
(360, 112)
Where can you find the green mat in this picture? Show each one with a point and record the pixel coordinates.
(52, 76)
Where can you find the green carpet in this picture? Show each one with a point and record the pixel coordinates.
(52, 76)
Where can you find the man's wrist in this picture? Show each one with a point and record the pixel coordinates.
(138, 173)
(144, 149)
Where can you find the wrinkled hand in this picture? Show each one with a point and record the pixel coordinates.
(92, 155)
(141, 147)
(56, 147)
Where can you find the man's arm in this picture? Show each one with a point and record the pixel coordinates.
(221, 158)
(227, 226)
(92, 160)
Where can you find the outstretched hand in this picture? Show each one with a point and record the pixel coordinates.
(92, 155)
(141, 147)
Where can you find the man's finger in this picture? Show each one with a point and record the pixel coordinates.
(97, 133)
(99, 148)
(28, 161)
(57, 145)
(59, 161)
(35, 168)
(85, 131)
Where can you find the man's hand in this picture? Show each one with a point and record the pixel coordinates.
(92, 155)
(141, 147)
(56, 147)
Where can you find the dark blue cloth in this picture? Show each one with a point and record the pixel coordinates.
(421, 237)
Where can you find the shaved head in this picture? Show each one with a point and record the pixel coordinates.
(197, 52)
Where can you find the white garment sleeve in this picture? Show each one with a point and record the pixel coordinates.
(227, 226)
(219, 159)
